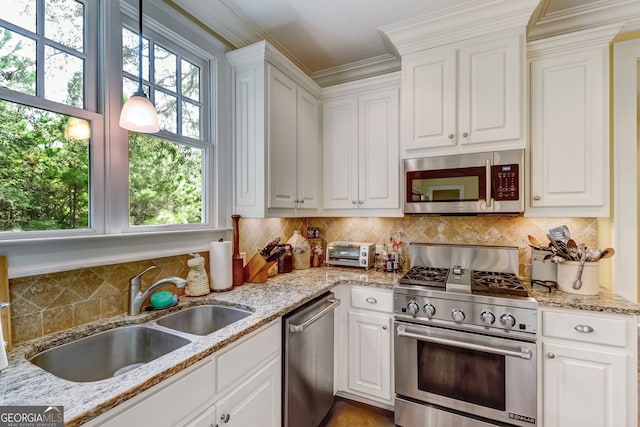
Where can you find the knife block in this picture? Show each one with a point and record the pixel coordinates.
(256, 270)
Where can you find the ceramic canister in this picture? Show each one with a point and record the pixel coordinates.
(301, 250)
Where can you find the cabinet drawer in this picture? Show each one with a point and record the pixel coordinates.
(244, 358)
(372, 299)
(591, 329)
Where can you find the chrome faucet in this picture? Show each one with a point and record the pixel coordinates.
(137, 298)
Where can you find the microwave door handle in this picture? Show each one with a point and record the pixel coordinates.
(487, 165)
(524, 354)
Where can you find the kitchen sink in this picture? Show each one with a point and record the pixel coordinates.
(107, 354)
(202, 319)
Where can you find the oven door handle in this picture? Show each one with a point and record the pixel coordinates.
(523, 354)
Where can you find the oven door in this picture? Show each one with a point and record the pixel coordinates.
(489, 377)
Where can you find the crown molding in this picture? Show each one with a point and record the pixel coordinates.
(472, 19)
(384, 81)
(574, 41)
(594, 14)
(378, 65)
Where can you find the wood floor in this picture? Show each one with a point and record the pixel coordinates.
(347, 413)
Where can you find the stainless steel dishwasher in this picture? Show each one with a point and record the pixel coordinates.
(308, 362)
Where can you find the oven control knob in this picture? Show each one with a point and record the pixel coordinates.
(429, 310)
(457, 315)
(487, 317)
(507, 321)
(413, 308)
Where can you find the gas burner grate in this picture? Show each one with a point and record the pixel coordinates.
(497, 283)
(426, 276)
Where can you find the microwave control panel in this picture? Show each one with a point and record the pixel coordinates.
(506, 182)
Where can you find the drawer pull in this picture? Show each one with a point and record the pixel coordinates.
(551, 355)
(585, 329)
(371, 300)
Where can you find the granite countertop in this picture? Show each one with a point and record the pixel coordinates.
(22, 383)
(25, 384)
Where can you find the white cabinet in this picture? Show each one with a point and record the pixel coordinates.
(569, 173)
(464, 97)
(277, 144)
(370, 354)
(256, 402)
(361, 167)
(239, 386)
(364, 351)
(588, 365)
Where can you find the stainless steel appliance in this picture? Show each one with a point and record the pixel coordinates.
(475, 183)
(308, 362)
(351, 254)
(465, 339)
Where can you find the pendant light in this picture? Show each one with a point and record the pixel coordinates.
(138, 113)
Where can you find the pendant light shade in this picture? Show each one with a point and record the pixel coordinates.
(138, 113)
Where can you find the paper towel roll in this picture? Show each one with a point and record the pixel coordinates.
(220, 275)
(3, 350)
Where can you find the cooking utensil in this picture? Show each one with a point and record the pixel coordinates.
(594, 255)
(560, 233)
(266, 251)
(577, 284)
(572, 249)
(607, 253)
(535, 243)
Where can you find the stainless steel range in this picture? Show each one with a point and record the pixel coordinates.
(465, 344)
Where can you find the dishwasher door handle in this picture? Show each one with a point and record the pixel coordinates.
(299, 328)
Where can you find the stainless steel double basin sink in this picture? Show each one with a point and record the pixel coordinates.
(117, 351)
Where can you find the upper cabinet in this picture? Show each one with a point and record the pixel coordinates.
(463, 82)
(361, 163)
(465, 97)
(569, 144)
(277, 147)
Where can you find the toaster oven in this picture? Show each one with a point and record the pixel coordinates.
(351, 254)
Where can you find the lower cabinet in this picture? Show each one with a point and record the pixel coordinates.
(363, 344)
(237, 387)
(256, 402)
(589, 373)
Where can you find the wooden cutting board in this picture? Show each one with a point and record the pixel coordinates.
(4, 297)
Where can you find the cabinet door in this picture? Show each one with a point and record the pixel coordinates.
(206, 419)
(282, 131)
(428, 101)
(581, 387)
(378, 150)
(309, 151)
(256, 402)
(569, 132)
(490, 90)
(370, 355)
(340, 153)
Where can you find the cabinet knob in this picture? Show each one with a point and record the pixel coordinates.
(360, 202)
(466, 134)
(225, 418)
(354, 202)
(451, 136)
(551, 355)
(296, 201)
(371, 300)
(302, 202)
(536, 197)
(384, 327)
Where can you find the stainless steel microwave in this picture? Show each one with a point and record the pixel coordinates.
(476, 183)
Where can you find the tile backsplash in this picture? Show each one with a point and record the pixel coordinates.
(53, 302)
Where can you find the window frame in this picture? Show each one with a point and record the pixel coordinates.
(109, 238)
(171, 40)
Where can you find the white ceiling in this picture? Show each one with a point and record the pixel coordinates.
(337, 40)
(324, 34)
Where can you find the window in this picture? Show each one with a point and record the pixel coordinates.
(166, 171)
(45, 125)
